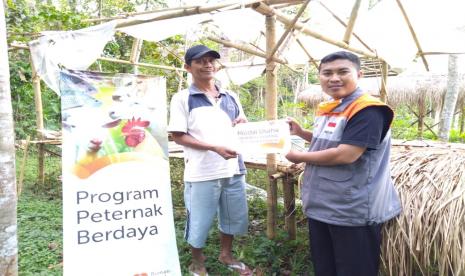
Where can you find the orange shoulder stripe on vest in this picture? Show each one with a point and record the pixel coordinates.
(362, 102)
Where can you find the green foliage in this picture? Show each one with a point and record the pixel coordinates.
(23, 22)
(456, 137)
(40, 218)
(24, 19)
(39, 234)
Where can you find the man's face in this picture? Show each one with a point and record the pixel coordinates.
(203, 68)
(339, 78)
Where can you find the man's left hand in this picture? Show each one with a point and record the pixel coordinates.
(294, 156)
(239, 120)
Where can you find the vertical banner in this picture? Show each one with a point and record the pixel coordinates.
(117, 209)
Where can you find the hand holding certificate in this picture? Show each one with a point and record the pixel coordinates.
(263, 137)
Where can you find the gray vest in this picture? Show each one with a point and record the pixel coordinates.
(357, 194)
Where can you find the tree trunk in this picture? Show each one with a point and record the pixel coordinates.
(450, 99)
(8, 238)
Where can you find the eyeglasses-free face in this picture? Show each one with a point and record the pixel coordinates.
(339, 78)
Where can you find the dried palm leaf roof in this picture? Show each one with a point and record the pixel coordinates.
(429, 235)
(402, 89)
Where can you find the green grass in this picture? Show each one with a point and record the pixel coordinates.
(40, 228)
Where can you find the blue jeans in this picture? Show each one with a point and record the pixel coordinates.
(204, 199)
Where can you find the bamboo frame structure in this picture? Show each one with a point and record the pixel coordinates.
(266, 10)
(272, 63)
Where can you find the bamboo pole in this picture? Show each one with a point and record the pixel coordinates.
(170, 51)
(141, 64)
(135, 53)
(288, 29)
(182, 8)
(23, 167)
(39, 120)
(421, 117)
(414, 35)
(129, 14)
(289, 205)
(271, 114)
(443, 53)
(351, 23)
(182, 13)
(244, 48)
(264, 9)
(384, 75)
(164, 67)
(345, 25)
(310, 58)
(462, 118)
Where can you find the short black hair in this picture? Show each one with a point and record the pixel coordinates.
(341, 55)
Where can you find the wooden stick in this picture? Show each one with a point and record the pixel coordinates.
(244, 48)
(288, 29)
(39, 120)
(351, 23)
(421, 116)
(310, 58)
(129, 14)
(271, 114)
(186, 12)
(284, 3)
(383, 90)
(289, 206)
(412, 32)
(443, 53)
(141, 64)
(264, 9)
(20, 46)
(135, 53)
(23, 167)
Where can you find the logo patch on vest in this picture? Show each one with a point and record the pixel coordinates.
(330, 127)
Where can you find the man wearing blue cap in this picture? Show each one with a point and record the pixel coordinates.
(202, 119)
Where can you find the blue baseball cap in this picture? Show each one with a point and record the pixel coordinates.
(199, 51)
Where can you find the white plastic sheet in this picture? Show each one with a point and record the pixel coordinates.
(70, 49)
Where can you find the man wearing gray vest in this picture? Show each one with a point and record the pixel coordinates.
(347, 191)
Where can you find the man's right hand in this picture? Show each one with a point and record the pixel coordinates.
(225, 152)
(294, 127)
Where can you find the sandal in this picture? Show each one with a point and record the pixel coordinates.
(193, 273)
(240, 268)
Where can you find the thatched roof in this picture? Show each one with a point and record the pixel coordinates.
(429, 235)
(402, 89)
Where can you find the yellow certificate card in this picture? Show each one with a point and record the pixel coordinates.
(263, 137)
